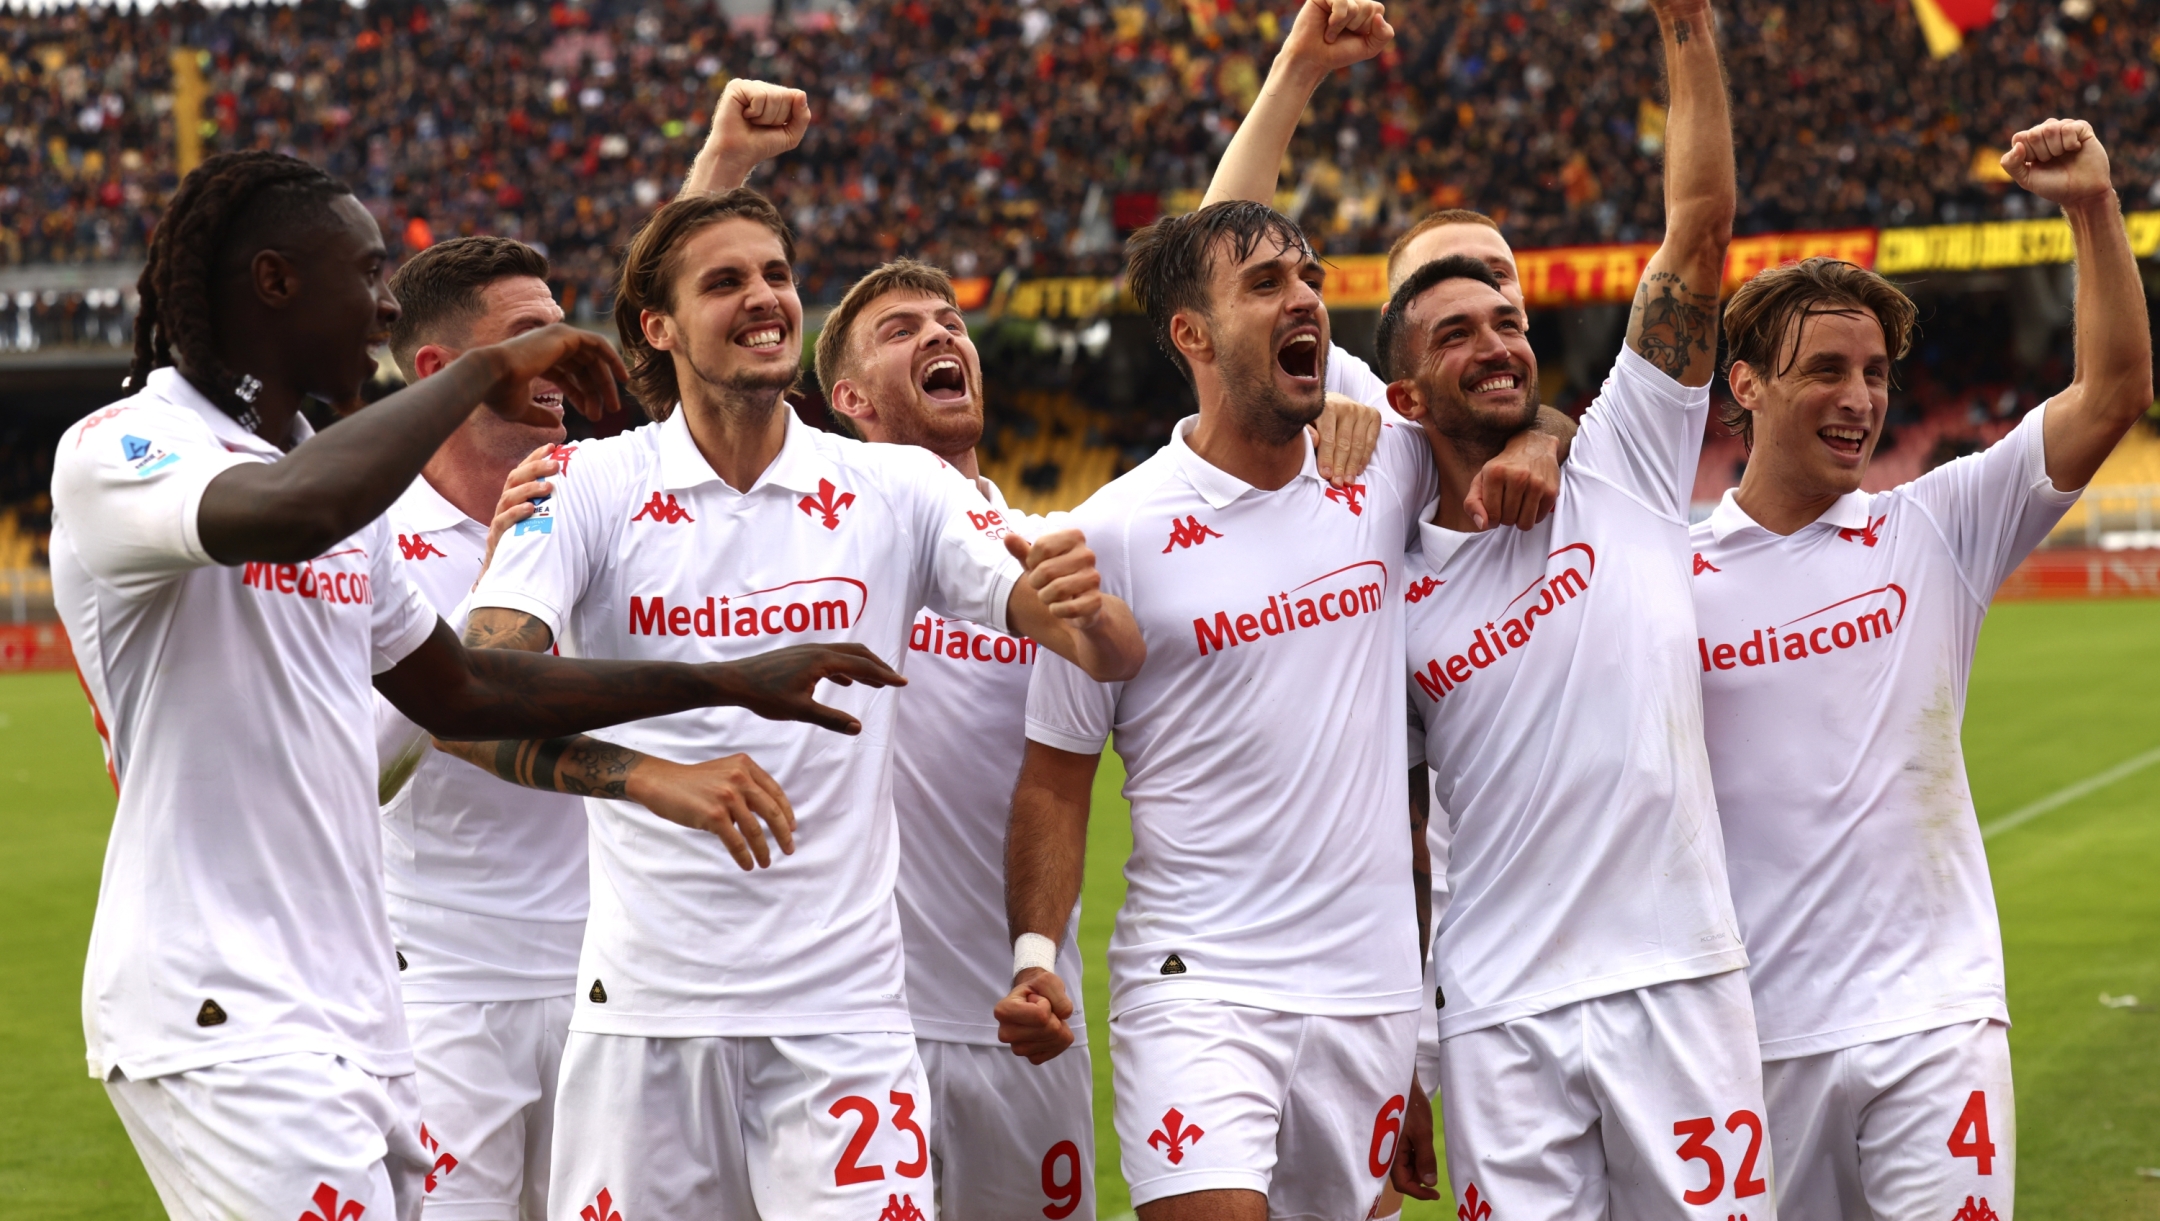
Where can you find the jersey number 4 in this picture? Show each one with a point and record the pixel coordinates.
(1969, 1137)
(1697, 1148)
(850, 1171)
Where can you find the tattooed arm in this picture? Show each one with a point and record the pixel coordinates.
(1674, 322)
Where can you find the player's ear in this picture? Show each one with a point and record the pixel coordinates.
(1746, 386)
(431, 358)
(659, 329)
(274, 278)
(1189, 334)
(850, 401)
(1407, 400)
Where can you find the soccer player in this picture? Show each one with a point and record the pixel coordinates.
(1596, 1037)
(741, 1045)
(231, 592)
(1836, 634)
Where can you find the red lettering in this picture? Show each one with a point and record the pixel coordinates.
(1457, 668)
(796, 617)
(1248, 628)
(1817, 645)
(765, 621)
(287, 576)
(1722, 657)
(976, 650)
(647, 617)
(1006, 650)
(1844, 635)
(678, 621)
(1325, 613)
(1434, 686)
(1220, 638)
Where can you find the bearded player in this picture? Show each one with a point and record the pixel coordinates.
(1837, 630)
(1597, 1034)
(741, 1045)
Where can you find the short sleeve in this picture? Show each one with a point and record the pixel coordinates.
(1353, 378)
(1644, 435)
(130, 490)
(542, 564)
(1995, 506)
(1402, 462)
(1068, 710)
(403, 619)
(970, 574)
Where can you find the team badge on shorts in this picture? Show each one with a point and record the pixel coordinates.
(601, 1209)
(328, 1207)
(1174, 1135)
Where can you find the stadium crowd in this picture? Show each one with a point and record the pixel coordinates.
(1032, 134)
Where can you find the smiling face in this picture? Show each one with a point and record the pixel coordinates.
(1474, 374)
(342, 309)
(509, 307)
(1267, 332)
(1480, 242)
(1817, 422)
(913, 376)
(733, 322)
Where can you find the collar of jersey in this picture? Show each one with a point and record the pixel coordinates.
(1847, 512)
(1436, 543)
(797, 467)
(1217, 486)
(166, 383)
(424, 509)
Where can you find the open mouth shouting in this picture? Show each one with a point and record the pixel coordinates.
(943, 380)
(1844, 440)
(1299, 356)
(548, 398)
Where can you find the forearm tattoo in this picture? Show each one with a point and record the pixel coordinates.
(579, 765)
(1680, 35)
(492, 627)
(1672, 323)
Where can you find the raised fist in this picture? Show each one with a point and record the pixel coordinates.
(2060, 160)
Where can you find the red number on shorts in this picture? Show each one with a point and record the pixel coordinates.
(847, 1172)
(1696, 1148)
(903, 1119)
(1064, 1194)
(1386, 1127)
(1973, 1120)
(1745, 1183)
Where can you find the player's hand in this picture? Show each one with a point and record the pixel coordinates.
(732, 798)
(1520, 486)
(1032, 1016)
(1333, 34)
(526, 484)
(753, 122)
(582, 363)
(1416, 1172)
(1061, 569)
(2061, 161)
(777, 685)
(1344, 438)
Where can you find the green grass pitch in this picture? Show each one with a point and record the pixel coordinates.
(2062, 691)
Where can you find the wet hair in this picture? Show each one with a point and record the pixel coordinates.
(647, 281)
(1388, 337)
(835, 344)
(1446, 216)
(438, 290)
(1168, 264)
(1763, 311)
(227, 209)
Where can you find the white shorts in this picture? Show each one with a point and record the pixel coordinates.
(1303, 1109)
(1644, 1104)
(1012, 1139)
(487, 1093)
(829, 1127)
(303, 1135)
(1923, 1125)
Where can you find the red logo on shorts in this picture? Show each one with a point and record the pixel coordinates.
(665, 511)
(1173, 1136)
(601, 1209)
(828, 501)
(444, 1164)
(900, 1208)
(330, 1208)
(1349, 495)
(1472, 1208)
(1975, 1210)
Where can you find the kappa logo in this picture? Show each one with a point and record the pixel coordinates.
(1188, 533)
(1702, 565)
(1866, 536)
(601, 1209)
(1174, 1135)
(1422, 589)
(828, 502)
(660, 509)
(416, 547)
(1976, 1210)
(1349, 496)
(328, 1207)
(444, 1163)
(900, 1208)
(1472, 1208)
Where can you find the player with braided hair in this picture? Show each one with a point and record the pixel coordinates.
(232, 593)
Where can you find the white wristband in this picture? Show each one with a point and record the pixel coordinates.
(1034, 950)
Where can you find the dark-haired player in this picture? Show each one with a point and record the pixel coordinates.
(232, 593)
(1596, 1039)
(1836, 633)
(741, 1045)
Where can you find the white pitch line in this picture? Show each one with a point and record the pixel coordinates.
(2025, 814)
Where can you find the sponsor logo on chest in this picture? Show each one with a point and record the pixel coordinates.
(1516, 623)
(1862, 619)
(818, 604)
(318, 580)
(953, 640)
(1332, 597)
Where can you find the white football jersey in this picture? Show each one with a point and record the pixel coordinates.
(957, 743)
(240, 913)
(1347, 375)
(1262, 739)
(1834, 662)
(644, 553)
(486, 880)
(1554, 669)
